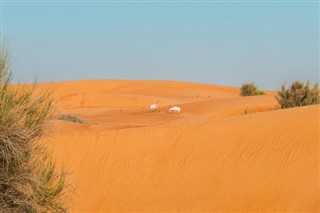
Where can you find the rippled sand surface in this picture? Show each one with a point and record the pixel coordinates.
(223, 153)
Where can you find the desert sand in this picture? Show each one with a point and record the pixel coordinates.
(223, 153)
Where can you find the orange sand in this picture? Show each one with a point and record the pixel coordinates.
(210, 158)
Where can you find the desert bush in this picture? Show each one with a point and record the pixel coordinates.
(72, 118)
(23, 116)
(250, 89)
(51, 192)
(298, 94)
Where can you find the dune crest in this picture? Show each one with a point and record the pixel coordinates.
(210, 158)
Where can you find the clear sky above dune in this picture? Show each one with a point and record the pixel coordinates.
(225, 43)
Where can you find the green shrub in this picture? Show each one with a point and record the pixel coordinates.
(250, 89)
(298, 94)
(24, 113)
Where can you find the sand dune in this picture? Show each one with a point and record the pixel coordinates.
(125, 104)
(210, 158)
(121, 93)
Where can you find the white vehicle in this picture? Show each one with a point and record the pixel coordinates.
(154, 107)
(175, 110)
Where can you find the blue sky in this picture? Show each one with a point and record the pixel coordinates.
(224, 43)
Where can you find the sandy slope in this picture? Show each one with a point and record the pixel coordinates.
(209, 158)
(118, 104)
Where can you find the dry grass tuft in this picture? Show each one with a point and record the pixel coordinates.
(72, 118)
(23, 116)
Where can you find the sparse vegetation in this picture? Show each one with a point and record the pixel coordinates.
(28, 183)
(72, 118)
(51, 192)
(250, 89)
(298, 94)
(246, 111)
